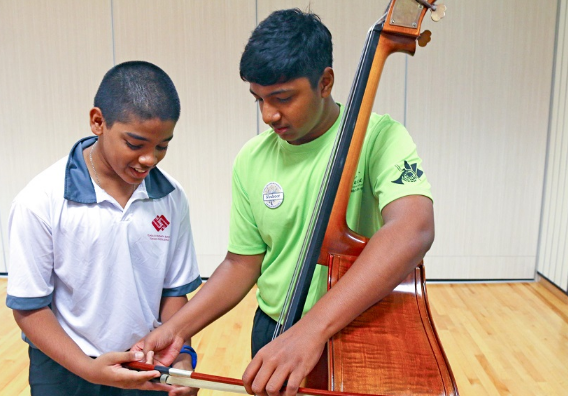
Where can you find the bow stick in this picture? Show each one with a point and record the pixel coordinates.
(173, 376)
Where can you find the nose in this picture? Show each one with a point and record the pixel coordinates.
(270, 114)
(149, 159)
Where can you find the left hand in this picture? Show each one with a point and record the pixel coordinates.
(287, 359)
(164, 344)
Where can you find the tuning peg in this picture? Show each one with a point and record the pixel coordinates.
(438, 12)
(424, 38)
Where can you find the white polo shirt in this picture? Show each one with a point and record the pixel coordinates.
(102, 269)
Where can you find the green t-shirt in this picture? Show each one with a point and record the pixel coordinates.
(275, 186)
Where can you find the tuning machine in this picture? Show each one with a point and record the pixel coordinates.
(424, 38)
(437, 11)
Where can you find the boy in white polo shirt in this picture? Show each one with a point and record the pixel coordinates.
(101, 248)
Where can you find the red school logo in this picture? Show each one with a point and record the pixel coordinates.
(160, 223)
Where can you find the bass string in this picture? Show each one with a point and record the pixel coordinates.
(301, 263)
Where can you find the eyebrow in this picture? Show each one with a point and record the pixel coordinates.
(273, 93)
(138, 137)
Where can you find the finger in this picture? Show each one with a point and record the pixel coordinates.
(263, 375)
(130, 356)
(156, 386)
(139, 346)
(167, 354)
(294, 381)
(117, 358)
(165, 359)
(250, 374)
(180, 391)
(147, 372)
(142, 375)
(148, 343)
(276, 382)
(150, 357)
(160, 339)
(131, 379)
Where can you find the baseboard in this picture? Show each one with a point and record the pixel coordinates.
(552, 287)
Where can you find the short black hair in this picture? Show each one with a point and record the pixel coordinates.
(288, 44)
(137, 89)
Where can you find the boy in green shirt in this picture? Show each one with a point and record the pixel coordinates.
(288, 65)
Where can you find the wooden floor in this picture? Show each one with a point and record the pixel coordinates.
(500, 339)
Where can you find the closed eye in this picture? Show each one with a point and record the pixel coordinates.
(132, 146)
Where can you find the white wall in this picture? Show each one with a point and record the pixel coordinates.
(53, 56)
(476, 101)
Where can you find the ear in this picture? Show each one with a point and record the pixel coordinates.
(97, 121)
(326, 82)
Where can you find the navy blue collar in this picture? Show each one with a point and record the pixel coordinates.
(79, 186)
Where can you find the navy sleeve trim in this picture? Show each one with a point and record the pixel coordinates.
(28, 303)
(182, 290)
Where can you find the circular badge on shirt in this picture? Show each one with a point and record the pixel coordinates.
(272, 195)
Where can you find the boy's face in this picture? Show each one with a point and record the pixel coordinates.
(294, 110)
(129, 150)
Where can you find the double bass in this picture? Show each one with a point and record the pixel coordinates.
(392, 348)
